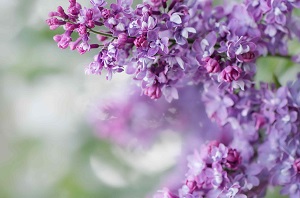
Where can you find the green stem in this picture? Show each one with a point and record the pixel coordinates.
(102, 33)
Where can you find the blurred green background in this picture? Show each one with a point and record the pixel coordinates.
(47, 149)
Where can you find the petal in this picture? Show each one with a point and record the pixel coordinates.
(175, 18)
(190, 29)
(151, 23)
(180, 62)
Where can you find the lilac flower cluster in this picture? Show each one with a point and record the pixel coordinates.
(219, 171)
(265, 134)
(168, 44)
(206, 54)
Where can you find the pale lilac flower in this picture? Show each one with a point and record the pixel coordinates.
(98, 3)
(241, 49)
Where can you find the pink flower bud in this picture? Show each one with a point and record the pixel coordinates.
(191, 184)
(296, 165)
(233, 159)
(105, 13)
(141, 41)
(260, 121)
(247, 57)
(154, 92)
(211, 66)
(230, 73)
(122, 38)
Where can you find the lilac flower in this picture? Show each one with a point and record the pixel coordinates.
(98, 3)
(205, 47)
(168, 48)
(296, 165)
(141, 41)
(175, 18)
(63, 40)
(278, 12)
(105, 13)
(157, 45)
(230, 73)
(233, 159)
(211, 65)
(89, 16)
(218, 153)
(292, 189)
(154, 92)
(181, 34)
(257, 8)
(74, 8)
(242, 22)
(148, 23)
(241, 49)
(54, 23)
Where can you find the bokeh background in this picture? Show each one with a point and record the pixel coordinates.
(47, 146)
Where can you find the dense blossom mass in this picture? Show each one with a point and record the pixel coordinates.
(201, 57)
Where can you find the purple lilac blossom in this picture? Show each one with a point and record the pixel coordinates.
(217, 38)
(170, 46)
(209, 176)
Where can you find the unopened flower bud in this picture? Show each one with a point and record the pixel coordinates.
(211, 65)
(154, 92)
(122, 38)
(141, 41)
(230, 73)
(105, 13)
(233, 159)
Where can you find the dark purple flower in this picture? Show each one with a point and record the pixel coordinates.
(141, 41)
(296, 166)
(230, 73)
(233, 159)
